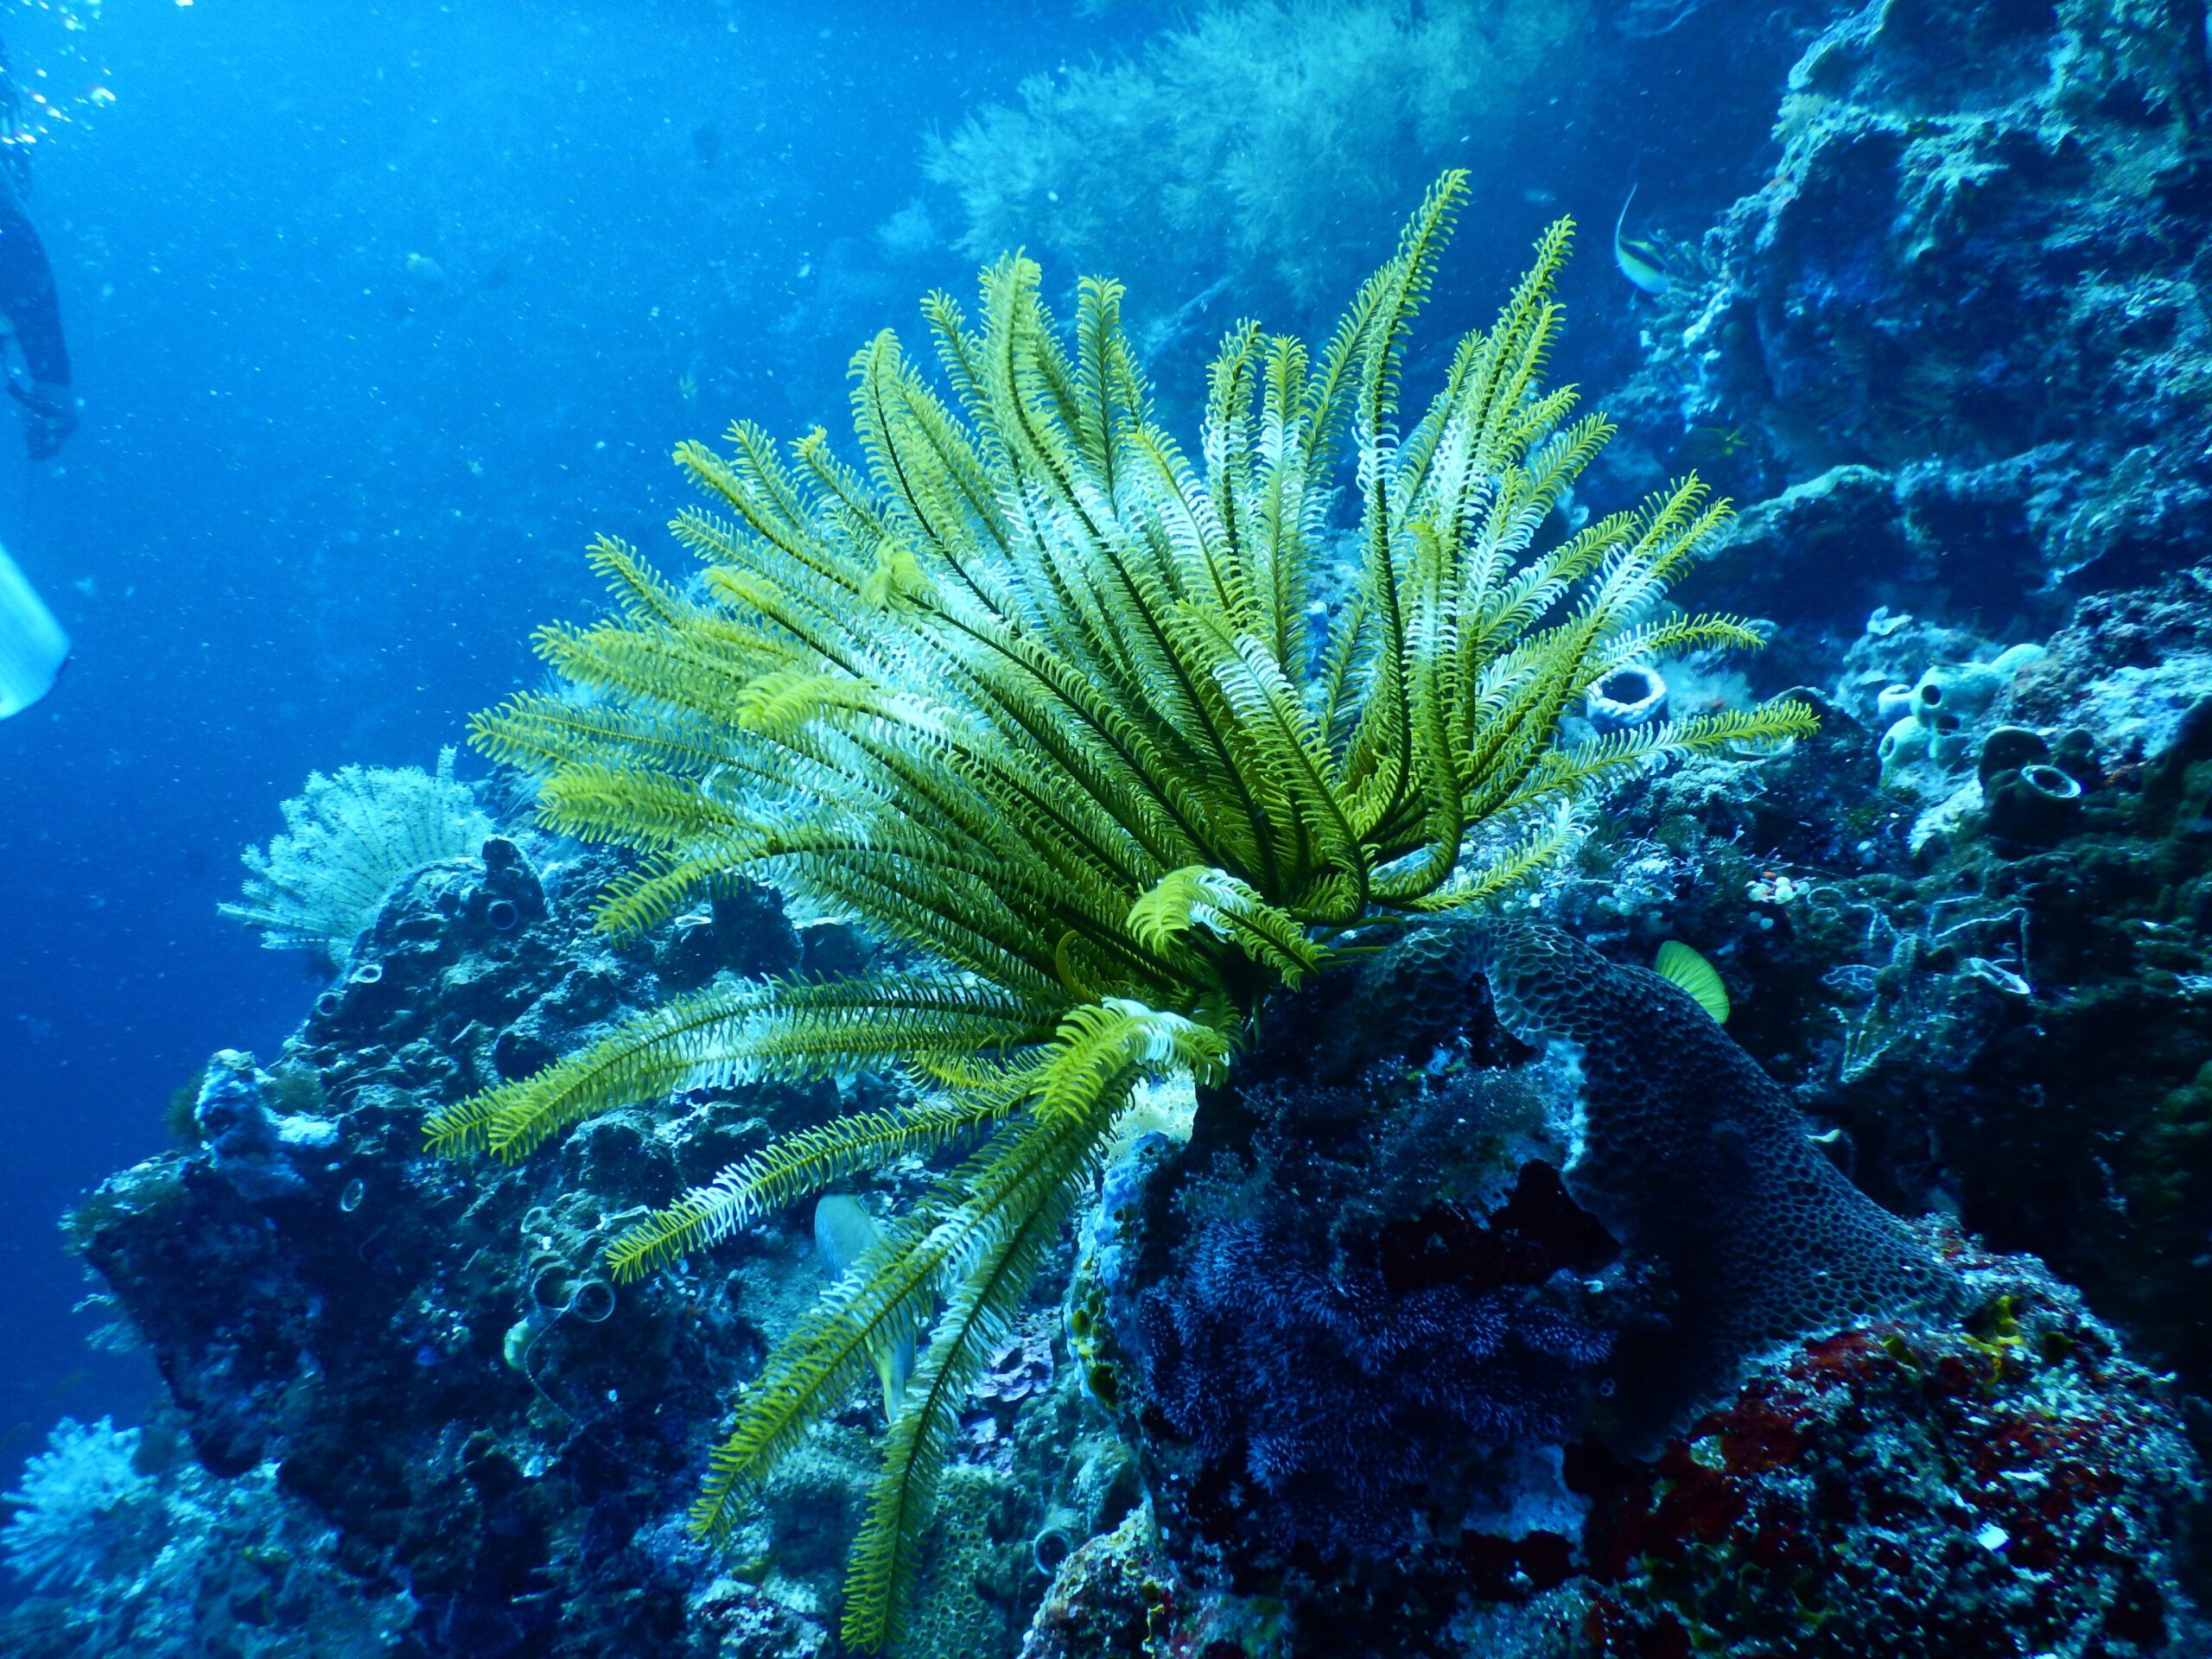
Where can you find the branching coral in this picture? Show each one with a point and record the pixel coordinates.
(1035, 695)
(1268, 138)
(347, 840)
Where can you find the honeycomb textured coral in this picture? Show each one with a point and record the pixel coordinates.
(1696, 1159)
(1412, 999)
(950, 1608)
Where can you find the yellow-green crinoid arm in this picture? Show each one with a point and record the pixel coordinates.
(694, 1036)
(779, 1028)
(791, 1168)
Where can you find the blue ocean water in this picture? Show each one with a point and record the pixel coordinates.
(320, 498)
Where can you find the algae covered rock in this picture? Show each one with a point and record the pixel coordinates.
(2005, 1483)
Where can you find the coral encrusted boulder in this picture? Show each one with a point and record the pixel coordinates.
(1501, 1304)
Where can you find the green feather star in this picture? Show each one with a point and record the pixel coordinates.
(1036, 694)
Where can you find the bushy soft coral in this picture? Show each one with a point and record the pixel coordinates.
(347, 840)
(76, 1505)
(1268, 138)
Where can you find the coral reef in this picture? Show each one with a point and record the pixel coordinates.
(1950, 1457)
(1376, 1367)
(1957, 341)
(1962, 327)
(426, 1381)
(133, 1548)
(1043, 706)
(1495, 1303)
(2005, 1019)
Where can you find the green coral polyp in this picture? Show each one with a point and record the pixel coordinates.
(1031, 692)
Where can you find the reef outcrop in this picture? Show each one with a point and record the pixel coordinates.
(434, 1375)
(1960, 338)
(1431, 1342)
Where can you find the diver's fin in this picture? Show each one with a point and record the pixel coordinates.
(32, 647)
(1677, 961)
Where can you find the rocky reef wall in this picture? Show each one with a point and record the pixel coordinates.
(1958, 343)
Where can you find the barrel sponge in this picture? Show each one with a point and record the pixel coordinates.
(1699, 1163)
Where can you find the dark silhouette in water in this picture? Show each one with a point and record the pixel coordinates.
(33, 649)
(30, 303)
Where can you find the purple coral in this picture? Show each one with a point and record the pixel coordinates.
(1336, 1393)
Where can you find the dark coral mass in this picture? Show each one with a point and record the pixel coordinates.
(1337, 1396)
(1697, 1160)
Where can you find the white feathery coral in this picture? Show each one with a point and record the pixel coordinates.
(348, 840)
(73, 1511)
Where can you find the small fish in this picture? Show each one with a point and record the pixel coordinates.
(843, 1233)
(1995, 974)
(1717, 443)
(1639, 260)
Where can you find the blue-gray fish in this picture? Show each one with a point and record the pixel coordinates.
(843, 1233)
